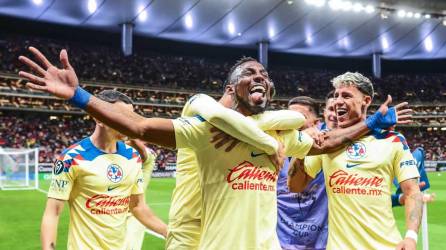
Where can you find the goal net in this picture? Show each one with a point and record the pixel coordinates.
(19, 168)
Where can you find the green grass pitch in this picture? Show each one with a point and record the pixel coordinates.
(21, 212)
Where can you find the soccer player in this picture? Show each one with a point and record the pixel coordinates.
(136, 230)
(303, 215)
(330, 121)
(101, 179)
(242, 180)
(185, 210)
(358, 177)
(308, 107)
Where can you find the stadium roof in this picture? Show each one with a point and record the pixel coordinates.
(291, 26)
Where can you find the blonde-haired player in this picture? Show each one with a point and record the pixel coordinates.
(358, 177)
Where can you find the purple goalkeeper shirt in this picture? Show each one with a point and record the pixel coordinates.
(302, 221)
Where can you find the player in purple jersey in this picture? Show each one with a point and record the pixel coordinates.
(302, 221)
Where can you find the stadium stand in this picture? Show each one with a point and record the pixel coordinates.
(161, 84)
(103, 64)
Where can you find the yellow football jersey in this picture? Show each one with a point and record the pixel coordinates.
(238, 194)
(136, 230)
(358, 180)
(97, 186)
(185, 211)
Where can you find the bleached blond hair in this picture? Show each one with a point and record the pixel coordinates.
(354, 79)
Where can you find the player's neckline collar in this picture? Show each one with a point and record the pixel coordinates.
(91, 144)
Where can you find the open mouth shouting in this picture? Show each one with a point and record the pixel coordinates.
(341, 114)
(258, 94)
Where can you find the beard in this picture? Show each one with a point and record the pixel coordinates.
(245, 104)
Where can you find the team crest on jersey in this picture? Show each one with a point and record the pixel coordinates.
(356, 151)
(58, 167)
(114, 173)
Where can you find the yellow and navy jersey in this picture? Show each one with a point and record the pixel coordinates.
(358, 181)
(97, 186)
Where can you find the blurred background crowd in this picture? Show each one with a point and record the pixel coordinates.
(160, 84)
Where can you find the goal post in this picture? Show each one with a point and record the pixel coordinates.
(19, 169)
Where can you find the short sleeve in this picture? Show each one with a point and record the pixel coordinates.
(297, 144)
(404, 165)
(62, 178)
(313, 165)
(138, 186)
(188, 132)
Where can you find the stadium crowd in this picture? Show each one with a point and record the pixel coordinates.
(183, 76)
(158, 102)
(103, 64)
(52, 134)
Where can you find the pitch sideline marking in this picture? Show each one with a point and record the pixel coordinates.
(42, 191)
(157, 235)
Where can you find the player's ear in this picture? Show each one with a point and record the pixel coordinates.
(100, 124)
(229, 89)
(367, 100)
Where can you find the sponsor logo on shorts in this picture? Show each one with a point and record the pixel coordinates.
(356, 151)
(114, 173)
(58, 167)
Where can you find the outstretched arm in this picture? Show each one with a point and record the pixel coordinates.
(383, 118)
(231, 122)
(64, 84)
(279, 120)
(153, 130)
(334, 139)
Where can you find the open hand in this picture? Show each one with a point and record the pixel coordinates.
(402, 110)
(316, 134)
(48, 78)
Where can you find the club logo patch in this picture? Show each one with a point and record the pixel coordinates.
(58, 167)
(114, 173)
(356, 151)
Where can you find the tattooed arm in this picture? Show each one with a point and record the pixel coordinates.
(414, 209)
